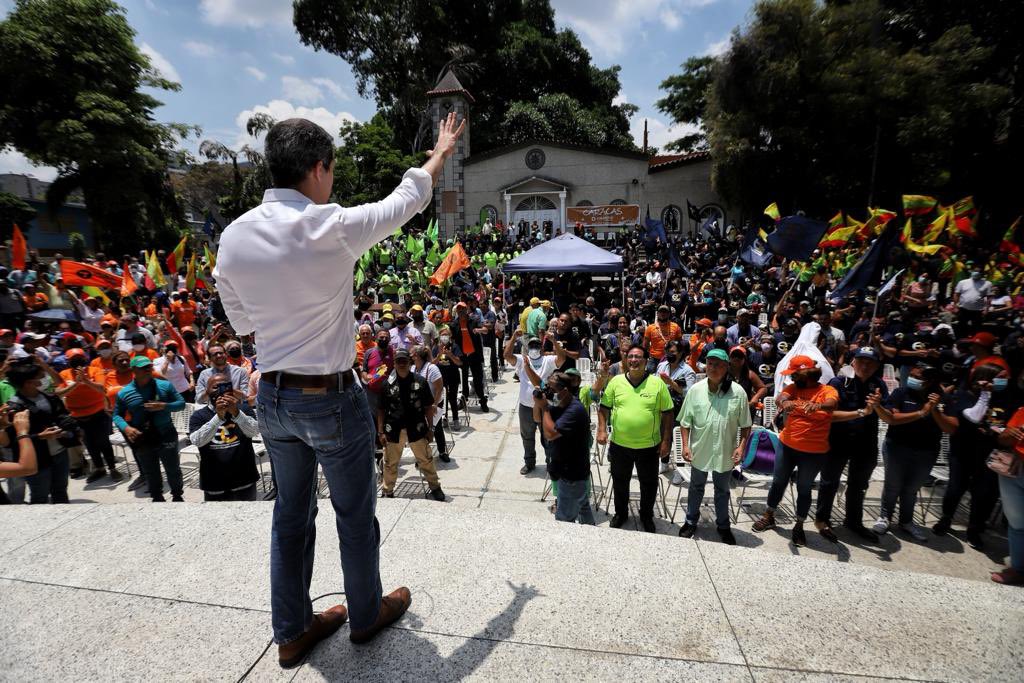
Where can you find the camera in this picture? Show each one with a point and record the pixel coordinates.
(221, 389)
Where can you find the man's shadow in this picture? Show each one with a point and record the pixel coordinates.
(407, 655)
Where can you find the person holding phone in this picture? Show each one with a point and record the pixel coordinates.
(223, 431)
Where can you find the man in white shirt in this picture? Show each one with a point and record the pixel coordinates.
(970, 297)
(541, 367)
(284, 272)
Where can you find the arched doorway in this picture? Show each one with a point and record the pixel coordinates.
(537, 208)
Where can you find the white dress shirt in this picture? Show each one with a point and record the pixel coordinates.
(284, 271)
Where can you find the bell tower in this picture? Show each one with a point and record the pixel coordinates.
(449, 197)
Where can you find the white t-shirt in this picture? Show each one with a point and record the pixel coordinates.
(173, 372)
(545, 368)
(432, 373)
(972, 294)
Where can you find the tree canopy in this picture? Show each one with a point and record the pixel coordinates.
(72, 99)
(368, 164)
(819, 105)
(507, 53)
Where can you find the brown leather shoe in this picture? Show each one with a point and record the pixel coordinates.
(392, 607)
(290, 655)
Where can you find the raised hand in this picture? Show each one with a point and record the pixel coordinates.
(447, 135)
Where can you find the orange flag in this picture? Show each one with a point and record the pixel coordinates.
(128, 285)
(455, 261)
(77, 274)
(19, 249)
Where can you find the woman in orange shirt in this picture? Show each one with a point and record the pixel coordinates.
(807, 405)
(104, 357)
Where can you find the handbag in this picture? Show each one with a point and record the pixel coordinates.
(1005, 463)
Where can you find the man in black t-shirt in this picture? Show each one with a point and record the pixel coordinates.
(566, 426)
(564, 335)
(223, 431)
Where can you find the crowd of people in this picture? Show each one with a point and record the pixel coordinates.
(696, 349)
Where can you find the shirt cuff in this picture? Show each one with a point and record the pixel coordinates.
(424, 183)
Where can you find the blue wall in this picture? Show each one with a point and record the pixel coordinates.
(49, 234)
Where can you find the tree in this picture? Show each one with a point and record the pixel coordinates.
(13, 210)
(503, 51)
(687, 99)
(838, 104)
(559, 117)
(72, 99)
(368, 164)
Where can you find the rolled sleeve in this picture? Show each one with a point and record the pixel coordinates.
(233, 307)
(365, 225)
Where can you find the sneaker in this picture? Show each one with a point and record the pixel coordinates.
(915, 532)
(666, 467)
(526, 469)
(942, 527)
(766, 521)
(826, 531)
(881, 526)
(138, 483)
(115, 475)
(799, 537)
(617, 521)
(726, 536)
(677, 478)
(455, 426)
(177, 499)
(974, 539)
(387, 494)
(444, 457)
(687, 530)
(483, 406)
(862, 531)
(76, 473)
(437, 494)
(94, 475)
(159, 499)
(648, 525)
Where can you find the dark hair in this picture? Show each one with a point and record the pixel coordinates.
(636, 346)
(563, 380)
(19, 373)
(293, 147)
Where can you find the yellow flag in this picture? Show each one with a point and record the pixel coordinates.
(909, 243)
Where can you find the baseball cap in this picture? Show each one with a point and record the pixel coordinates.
(5, 332)
(386, 307)
(546, 303)
(986, 339)
(402, 353)
(417, 307)
(704, 322)
(30, 336)
(141, 362)
(743, 311)
(737, 349)
(797, 363)
(102, 342)
(75, 353)
(387, 316)
(574, 372)
(718, 354)
(535, 301)
(533, 341)
(68, 336)
(869, 353)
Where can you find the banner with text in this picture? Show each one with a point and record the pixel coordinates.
(603, 216)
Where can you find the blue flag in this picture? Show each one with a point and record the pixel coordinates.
(675, 261)
(655, 229)
(753, 249)
(796, 237)
(208, 225)
(868, 271)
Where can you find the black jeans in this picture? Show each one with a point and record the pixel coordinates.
(150, 457)
(439, 440)
(248, 493)
(96, 437)
(807, 466)
(862, 456)
(475, 363)
(968, 472)
(645, 460)
(492, 344)
(451, 380)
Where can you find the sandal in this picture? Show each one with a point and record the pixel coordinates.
(767, 521)
(1009, 577)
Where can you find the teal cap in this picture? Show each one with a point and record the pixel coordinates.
(719, 354)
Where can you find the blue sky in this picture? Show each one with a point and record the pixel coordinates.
(236, 57)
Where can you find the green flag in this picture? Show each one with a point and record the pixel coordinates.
(414, 247)
(485, 216)
(360, 278)
(432, 230)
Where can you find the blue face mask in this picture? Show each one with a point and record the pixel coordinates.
(1000, 384)
(915, 384)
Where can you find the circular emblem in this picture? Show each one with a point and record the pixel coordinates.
(765, 370)
(783, 346)
(948, 368)
(918, 346)
(535, 159)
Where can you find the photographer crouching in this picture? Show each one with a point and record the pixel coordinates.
(566, 427)
(223, 431)
(143, 414)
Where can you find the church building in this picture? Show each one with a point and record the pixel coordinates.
(542, 180)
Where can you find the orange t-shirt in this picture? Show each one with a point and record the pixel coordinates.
(361, 350)
(147, 352)
(83, 400)
(103, 364)
(808, 432)
(184, 314)
(658, 335)
(115, 380)
(152, 310)
(467, 341)
(1017, 420)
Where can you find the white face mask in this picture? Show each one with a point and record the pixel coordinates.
(138, 347)
(534, 354)
(445, 339)
(105, 353)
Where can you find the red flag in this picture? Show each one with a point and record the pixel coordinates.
(83, 275)
(128, 285)
(177, 257)
(455, 261)
(19, 249)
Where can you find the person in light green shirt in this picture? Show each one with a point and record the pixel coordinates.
(537, 321)
(639, 407)
(389, 284)
(491, 259)
(714, 411)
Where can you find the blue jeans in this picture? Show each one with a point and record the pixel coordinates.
(573, 502)
(695, 495)
(807, 466)
(1012, 491)
(50, 485)
(335, 430)
(906, 470)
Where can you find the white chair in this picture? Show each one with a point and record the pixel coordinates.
(762, 319)
(768, 412)
(680, 463)
(940, 474)
(583, 365)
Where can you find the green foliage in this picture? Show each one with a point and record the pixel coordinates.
(14, 210)
(246, 187)
(72, 99)
(556, 117)
(818, 105)
(687, 99)
(368, 164)
(76, 240)
(503, 51)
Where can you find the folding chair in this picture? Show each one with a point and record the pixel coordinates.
(940, 473)
(118, 441)
(680, 463)
(768, 412)
(583, 365)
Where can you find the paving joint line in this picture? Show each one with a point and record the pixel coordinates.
(92, 508)
(501, 449)
(725, 612)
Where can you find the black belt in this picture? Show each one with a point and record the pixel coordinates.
(338, 381)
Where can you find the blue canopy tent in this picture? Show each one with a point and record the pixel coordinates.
(566, 254)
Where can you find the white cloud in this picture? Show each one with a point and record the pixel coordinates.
(281, 110)
(619, 99)
(247, 13)
(659, 133)
(199, 49)
(718, 48)
(160, 63)
(284, 59)
(608, 27)
(300, 90)
(256, 73)
(670, 19)
(332, 87)
(153, 7)
(13, 161)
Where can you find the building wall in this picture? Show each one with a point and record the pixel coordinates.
(49, 234)
(674, 186)
(449, 198)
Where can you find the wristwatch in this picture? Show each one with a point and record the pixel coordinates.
(861, 412)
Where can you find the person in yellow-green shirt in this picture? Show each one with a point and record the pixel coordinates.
(639, 408)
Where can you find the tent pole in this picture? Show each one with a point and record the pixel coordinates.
(622, 287)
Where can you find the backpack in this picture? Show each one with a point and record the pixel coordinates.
(762, 452)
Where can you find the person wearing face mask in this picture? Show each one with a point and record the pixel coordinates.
(533, 368)
(219, 365)
(807, 406)
(427, 329)
(916, 419)
(403, 335)
(970, 297)
(84, 392)
(127, 328)
(233, 348)
(448, 359)
(658, 334)
(103, 360)
(139, 347)
(981, 409)
(565, 424)
(171, 366)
